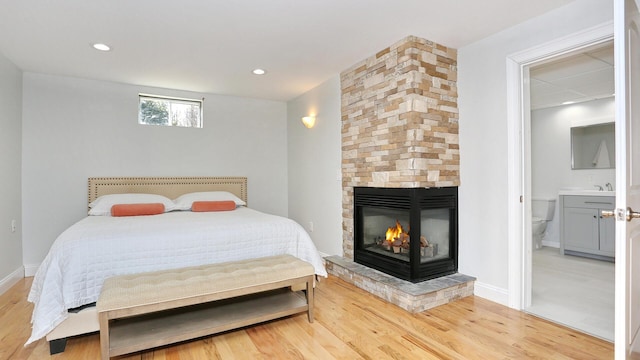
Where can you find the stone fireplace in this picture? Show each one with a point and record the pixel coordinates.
(399, 124)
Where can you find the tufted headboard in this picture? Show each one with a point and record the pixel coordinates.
(171, 187)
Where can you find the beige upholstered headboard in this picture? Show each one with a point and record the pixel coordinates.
(171, 187)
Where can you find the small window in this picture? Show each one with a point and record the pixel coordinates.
(169, 111)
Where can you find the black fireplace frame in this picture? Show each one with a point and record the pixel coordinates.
(413, 200)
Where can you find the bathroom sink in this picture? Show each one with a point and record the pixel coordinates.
(583, 192)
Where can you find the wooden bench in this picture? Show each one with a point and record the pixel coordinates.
(147, 310)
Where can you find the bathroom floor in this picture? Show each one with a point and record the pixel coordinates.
(573, 291)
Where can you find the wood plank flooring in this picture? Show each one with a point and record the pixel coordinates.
(349, 324)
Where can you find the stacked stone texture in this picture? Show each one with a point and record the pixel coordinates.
(399, 122)
(444, 290)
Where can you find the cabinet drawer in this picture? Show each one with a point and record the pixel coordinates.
(591, 202)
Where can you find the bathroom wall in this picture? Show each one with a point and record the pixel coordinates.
(551, 153)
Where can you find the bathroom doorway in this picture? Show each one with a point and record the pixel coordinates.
(574, 89)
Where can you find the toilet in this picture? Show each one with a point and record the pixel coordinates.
(542, 212)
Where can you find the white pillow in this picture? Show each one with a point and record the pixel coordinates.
(102, 205)
(184, 201)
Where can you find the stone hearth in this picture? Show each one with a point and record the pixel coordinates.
(413, 297)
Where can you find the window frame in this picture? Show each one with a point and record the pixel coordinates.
(171, 100)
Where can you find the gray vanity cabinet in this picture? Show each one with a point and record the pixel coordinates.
(584, 232)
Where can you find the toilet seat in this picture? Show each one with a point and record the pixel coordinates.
(538, 226)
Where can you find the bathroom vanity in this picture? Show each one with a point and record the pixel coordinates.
(584, 231)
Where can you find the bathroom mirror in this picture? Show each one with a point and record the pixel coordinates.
(593, 146)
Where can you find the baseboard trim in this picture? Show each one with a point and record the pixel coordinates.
(553, 244)
(30, 270)
(493, 293)
(11, 279)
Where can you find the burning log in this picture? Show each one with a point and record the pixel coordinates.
(404, 248)
(429, 251)
(423, 241)
(397, 243)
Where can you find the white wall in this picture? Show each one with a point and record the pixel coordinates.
(74, 129)
(482, 103)
(11, 268)
(551, 153)
(315, 191)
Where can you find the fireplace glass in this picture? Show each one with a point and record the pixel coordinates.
(394, 240)
(408, 233)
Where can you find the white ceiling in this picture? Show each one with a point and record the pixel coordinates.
(212, 46)
(587, 75)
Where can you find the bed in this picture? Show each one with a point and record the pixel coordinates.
(97, 247)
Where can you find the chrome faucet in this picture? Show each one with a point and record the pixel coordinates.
(599, 187)
(609, 187)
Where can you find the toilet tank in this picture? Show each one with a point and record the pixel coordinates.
(543, 208)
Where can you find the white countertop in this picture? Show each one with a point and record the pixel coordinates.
(587, 192)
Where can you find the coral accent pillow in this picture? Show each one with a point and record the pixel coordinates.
(137, 209)
(102, 205)
(184, 202)
(200, 206)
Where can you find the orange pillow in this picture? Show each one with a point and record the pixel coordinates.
(137, 209)
(200, 206)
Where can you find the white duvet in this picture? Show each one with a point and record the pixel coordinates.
(98, 247)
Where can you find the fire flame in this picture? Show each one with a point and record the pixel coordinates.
(396, 233)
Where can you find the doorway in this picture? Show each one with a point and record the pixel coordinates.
(521, 248)
(570, 95)
(569, 92)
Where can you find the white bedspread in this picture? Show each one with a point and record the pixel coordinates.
(97, 247)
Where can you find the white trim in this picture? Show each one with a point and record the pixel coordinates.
(624, 333)
(31, 269)
(11, 279)
(582, 39)
(514, 179)
(162, 97)
(515, 176)
(490, 292)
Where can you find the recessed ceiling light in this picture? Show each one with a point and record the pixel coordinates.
(101, 47)
(259, 71)
(568, 102)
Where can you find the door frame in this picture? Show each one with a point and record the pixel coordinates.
(519, 152)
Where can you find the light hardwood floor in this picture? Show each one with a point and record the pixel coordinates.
(349, 324)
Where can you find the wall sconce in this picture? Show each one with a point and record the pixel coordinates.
(309, 121)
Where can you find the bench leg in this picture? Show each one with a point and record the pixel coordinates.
(310, 298)
(104, 335)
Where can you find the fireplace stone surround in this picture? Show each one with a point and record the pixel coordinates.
(399, 130)
(399, 122)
